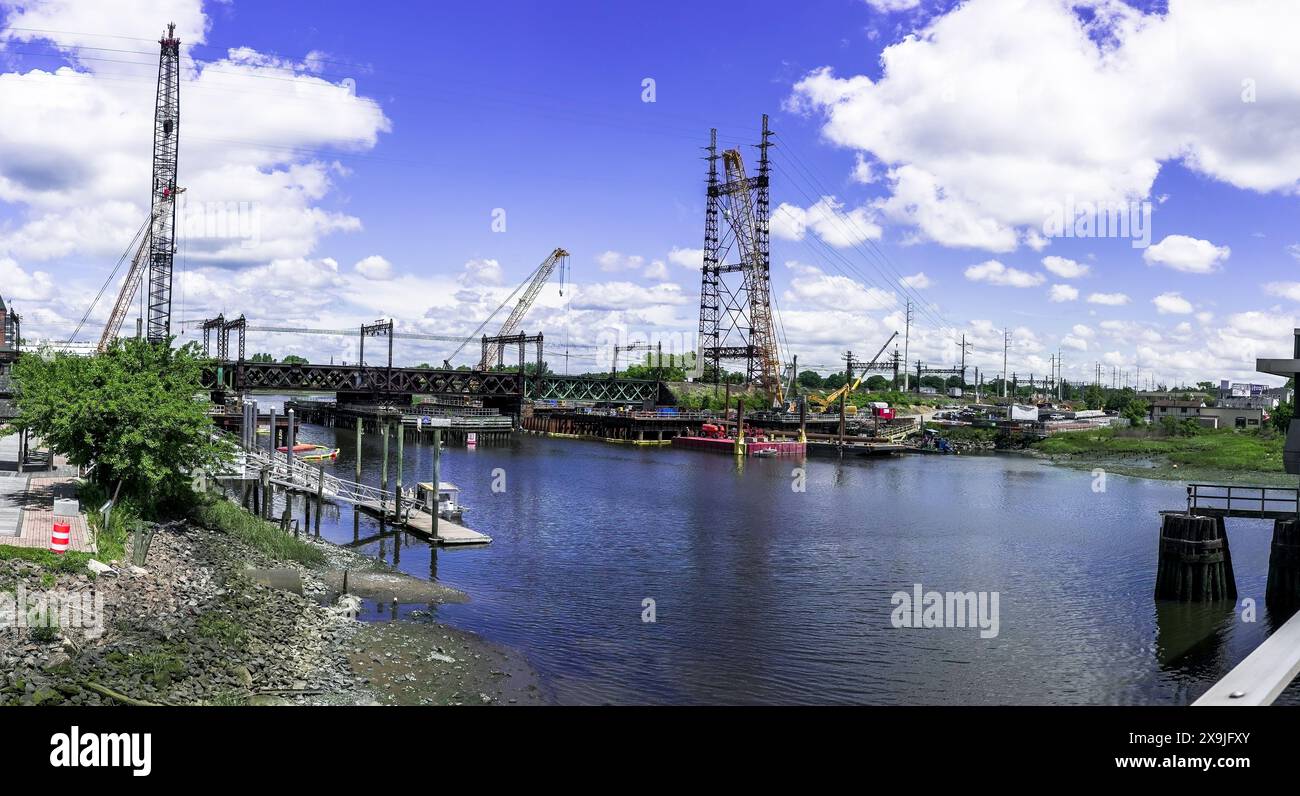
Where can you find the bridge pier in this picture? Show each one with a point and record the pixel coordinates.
(1195, 563)
(1283, 589)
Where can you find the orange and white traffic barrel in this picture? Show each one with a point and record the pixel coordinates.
(60, 537)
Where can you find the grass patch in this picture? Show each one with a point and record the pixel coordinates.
(67, 562)
(111, 541)
(230, 634)
(226, 517)
(161, 665)
(1221, 450)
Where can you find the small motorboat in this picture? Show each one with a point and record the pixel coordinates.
(311, 453)
(448, 499)
(764, 452)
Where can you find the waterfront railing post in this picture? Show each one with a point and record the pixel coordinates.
(290, 439)
(437, 476)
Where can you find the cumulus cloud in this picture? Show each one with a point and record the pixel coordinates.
(810, 286)
(1187, 254)
(687, 258)
(995, 273)
(1108, 299)
(826, 219)
(1059, 293)
(998, 112)
(1065, 268)
(917, 281)
(1172, 304)
(1287, 290)
(375, 267)
(612, 261)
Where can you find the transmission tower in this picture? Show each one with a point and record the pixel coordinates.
(162, 243)
(736, 316)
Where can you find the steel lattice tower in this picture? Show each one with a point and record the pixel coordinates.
(162, 246)
(736, 318)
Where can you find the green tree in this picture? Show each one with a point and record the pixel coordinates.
(262, 357)
(876, 382)
(1281, 416)
(294, 359)
(137, 412)
(1135, 411)
(810, 379)
(1094, 398)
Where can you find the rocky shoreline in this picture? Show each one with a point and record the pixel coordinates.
(198, 626)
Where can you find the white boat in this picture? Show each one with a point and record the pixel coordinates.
(448, 499)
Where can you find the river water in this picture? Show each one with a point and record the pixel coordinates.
(764, 594)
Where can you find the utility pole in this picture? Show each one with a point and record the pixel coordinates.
(907, 334)
(964, 346)
(1006, 343)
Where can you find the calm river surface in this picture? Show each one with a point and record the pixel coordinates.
(767, 595)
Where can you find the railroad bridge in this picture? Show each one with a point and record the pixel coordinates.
(497, 388)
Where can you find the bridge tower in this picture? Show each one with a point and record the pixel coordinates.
(162, 243)
(735, 297)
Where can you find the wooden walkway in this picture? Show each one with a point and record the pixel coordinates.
(420, 522)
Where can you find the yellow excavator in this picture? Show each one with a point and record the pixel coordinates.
(830, 401)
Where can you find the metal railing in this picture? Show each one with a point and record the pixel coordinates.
(1242, 499)
(302, 475)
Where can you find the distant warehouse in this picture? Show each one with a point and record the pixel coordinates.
(1234, 414)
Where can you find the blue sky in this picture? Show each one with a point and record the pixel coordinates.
(366, 152)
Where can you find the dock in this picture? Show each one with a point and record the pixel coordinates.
(723, 445)
(449, 532)
(307, 479)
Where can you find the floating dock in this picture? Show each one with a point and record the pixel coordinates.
(450, 532)
(782, 447)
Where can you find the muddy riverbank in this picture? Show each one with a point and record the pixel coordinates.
(194, 626)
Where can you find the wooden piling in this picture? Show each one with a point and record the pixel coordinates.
(1283, 589)
(359, 425)
(437, 475)
(320, 493)
(1195, 563)
(740, 426)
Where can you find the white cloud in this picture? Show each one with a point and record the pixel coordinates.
(1065, 268)
(18, 284)
(886, 6)
(998, 111)
(657, 270)
(1183, 253)
(687, 258)
(1287, 290)
(995, 273)
(478, 272)
(612, 261)
(827, 220)
(1172, 304)
(375, 267)
(1077, 343)
(1059, 293)
(1109, 299)
(810, 286)
(1081, 330)
(917, 281)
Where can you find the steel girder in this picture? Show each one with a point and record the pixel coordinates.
(278, 376)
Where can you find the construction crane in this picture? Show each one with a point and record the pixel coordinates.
(533, 284)
(824, 402)
(155, 243)
(757, 285)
